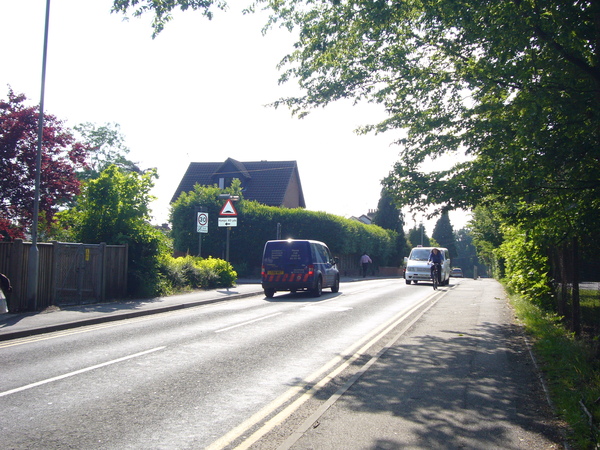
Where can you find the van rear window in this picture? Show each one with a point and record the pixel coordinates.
(284, 252)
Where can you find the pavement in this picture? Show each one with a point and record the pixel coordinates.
(462, 376)
(19, 325)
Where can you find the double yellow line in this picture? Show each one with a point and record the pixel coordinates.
(328, 372)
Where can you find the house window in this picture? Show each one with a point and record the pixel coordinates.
(225, 182)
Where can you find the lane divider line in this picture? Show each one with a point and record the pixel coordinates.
(247, 323)
(78, 372)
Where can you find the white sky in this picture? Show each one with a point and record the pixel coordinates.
(196, 93)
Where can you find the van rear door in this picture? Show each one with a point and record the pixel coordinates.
(282, 259)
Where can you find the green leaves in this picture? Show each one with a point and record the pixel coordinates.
(259, 223)
(115, 207)
(511, 84)
(163, 9)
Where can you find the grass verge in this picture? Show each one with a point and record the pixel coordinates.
(571, 371)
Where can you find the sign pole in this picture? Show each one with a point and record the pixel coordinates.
(230, 220)
(227, 245)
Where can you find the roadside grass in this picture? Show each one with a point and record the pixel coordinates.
(570, 366)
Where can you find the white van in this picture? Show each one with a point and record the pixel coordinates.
(416, 267)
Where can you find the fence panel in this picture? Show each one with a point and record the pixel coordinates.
(67, 273)
(78, 273)
(115, 271)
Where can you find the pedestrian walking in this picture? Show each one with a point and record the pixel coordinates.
(365, 260)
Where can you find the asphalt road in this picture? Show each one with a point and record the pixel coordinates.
(378, 365)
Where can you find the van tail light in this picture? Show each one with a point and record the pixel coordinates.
(311, 269)
(263, 273)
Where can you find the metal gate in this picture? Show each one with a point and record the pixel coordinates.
(78, 273)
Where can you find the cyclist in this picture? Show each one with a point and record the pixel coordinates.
(436, 257)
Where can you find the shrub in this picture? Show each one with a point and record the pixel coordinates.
(190, 272)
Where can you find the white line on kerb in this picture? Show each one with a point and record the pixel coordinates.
(78, 372)
(247, 323)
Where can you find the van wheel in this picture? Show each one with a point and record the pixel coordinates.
(318, 290)
(336, 285)
(408, 281)
(269, 293)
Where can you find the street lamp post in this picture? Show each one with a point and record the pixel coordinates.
(33, 264)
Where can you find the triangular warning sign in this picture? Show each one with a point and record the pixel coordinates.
(228, 209)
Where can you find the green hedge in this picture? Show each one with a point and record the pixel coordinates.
(257, 223)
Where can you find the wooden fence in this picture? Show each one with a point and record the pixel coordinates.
(68, 274)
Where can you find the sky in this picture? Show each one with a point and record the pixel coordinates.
(196, 93)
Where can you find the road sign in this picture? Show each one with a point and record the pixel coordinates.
(228, 221)
(202, 222)
(228, 209)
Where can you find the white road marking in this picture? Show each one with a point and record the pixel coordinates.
(247, 323)
(78, 372)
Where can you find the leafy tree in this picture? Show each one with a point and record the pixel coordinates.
(163, 9)
(106, 146)
(466, 251)
(61, 156)
(389, 216)
(444, 234)
(418, 236)
(487, 237)
(114, 209)
(519, 97)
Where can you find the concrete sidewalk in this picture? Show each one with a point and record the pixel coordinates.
(54, 319)
(461, 377)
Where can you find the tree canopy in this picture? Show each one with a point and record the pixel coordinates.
(105, 147)
(61, 157)
(163, 9)
(512, 87)
(114, 209)
(444, 235)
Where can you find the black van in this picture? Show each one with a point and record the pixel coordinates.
(298, 265)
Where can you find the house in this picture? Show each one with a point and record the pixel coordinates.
(272, 183)
(367, 219)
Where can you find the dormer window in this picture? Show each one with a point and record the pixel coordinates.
(225, 182)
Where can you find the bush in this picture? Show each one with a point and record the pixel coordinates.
(190, 272)
(526, 268)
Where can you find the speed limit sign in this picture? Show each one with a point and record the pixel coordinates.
(202, 222)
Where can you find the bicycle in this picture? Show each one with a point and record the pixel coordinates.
(435, 275)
